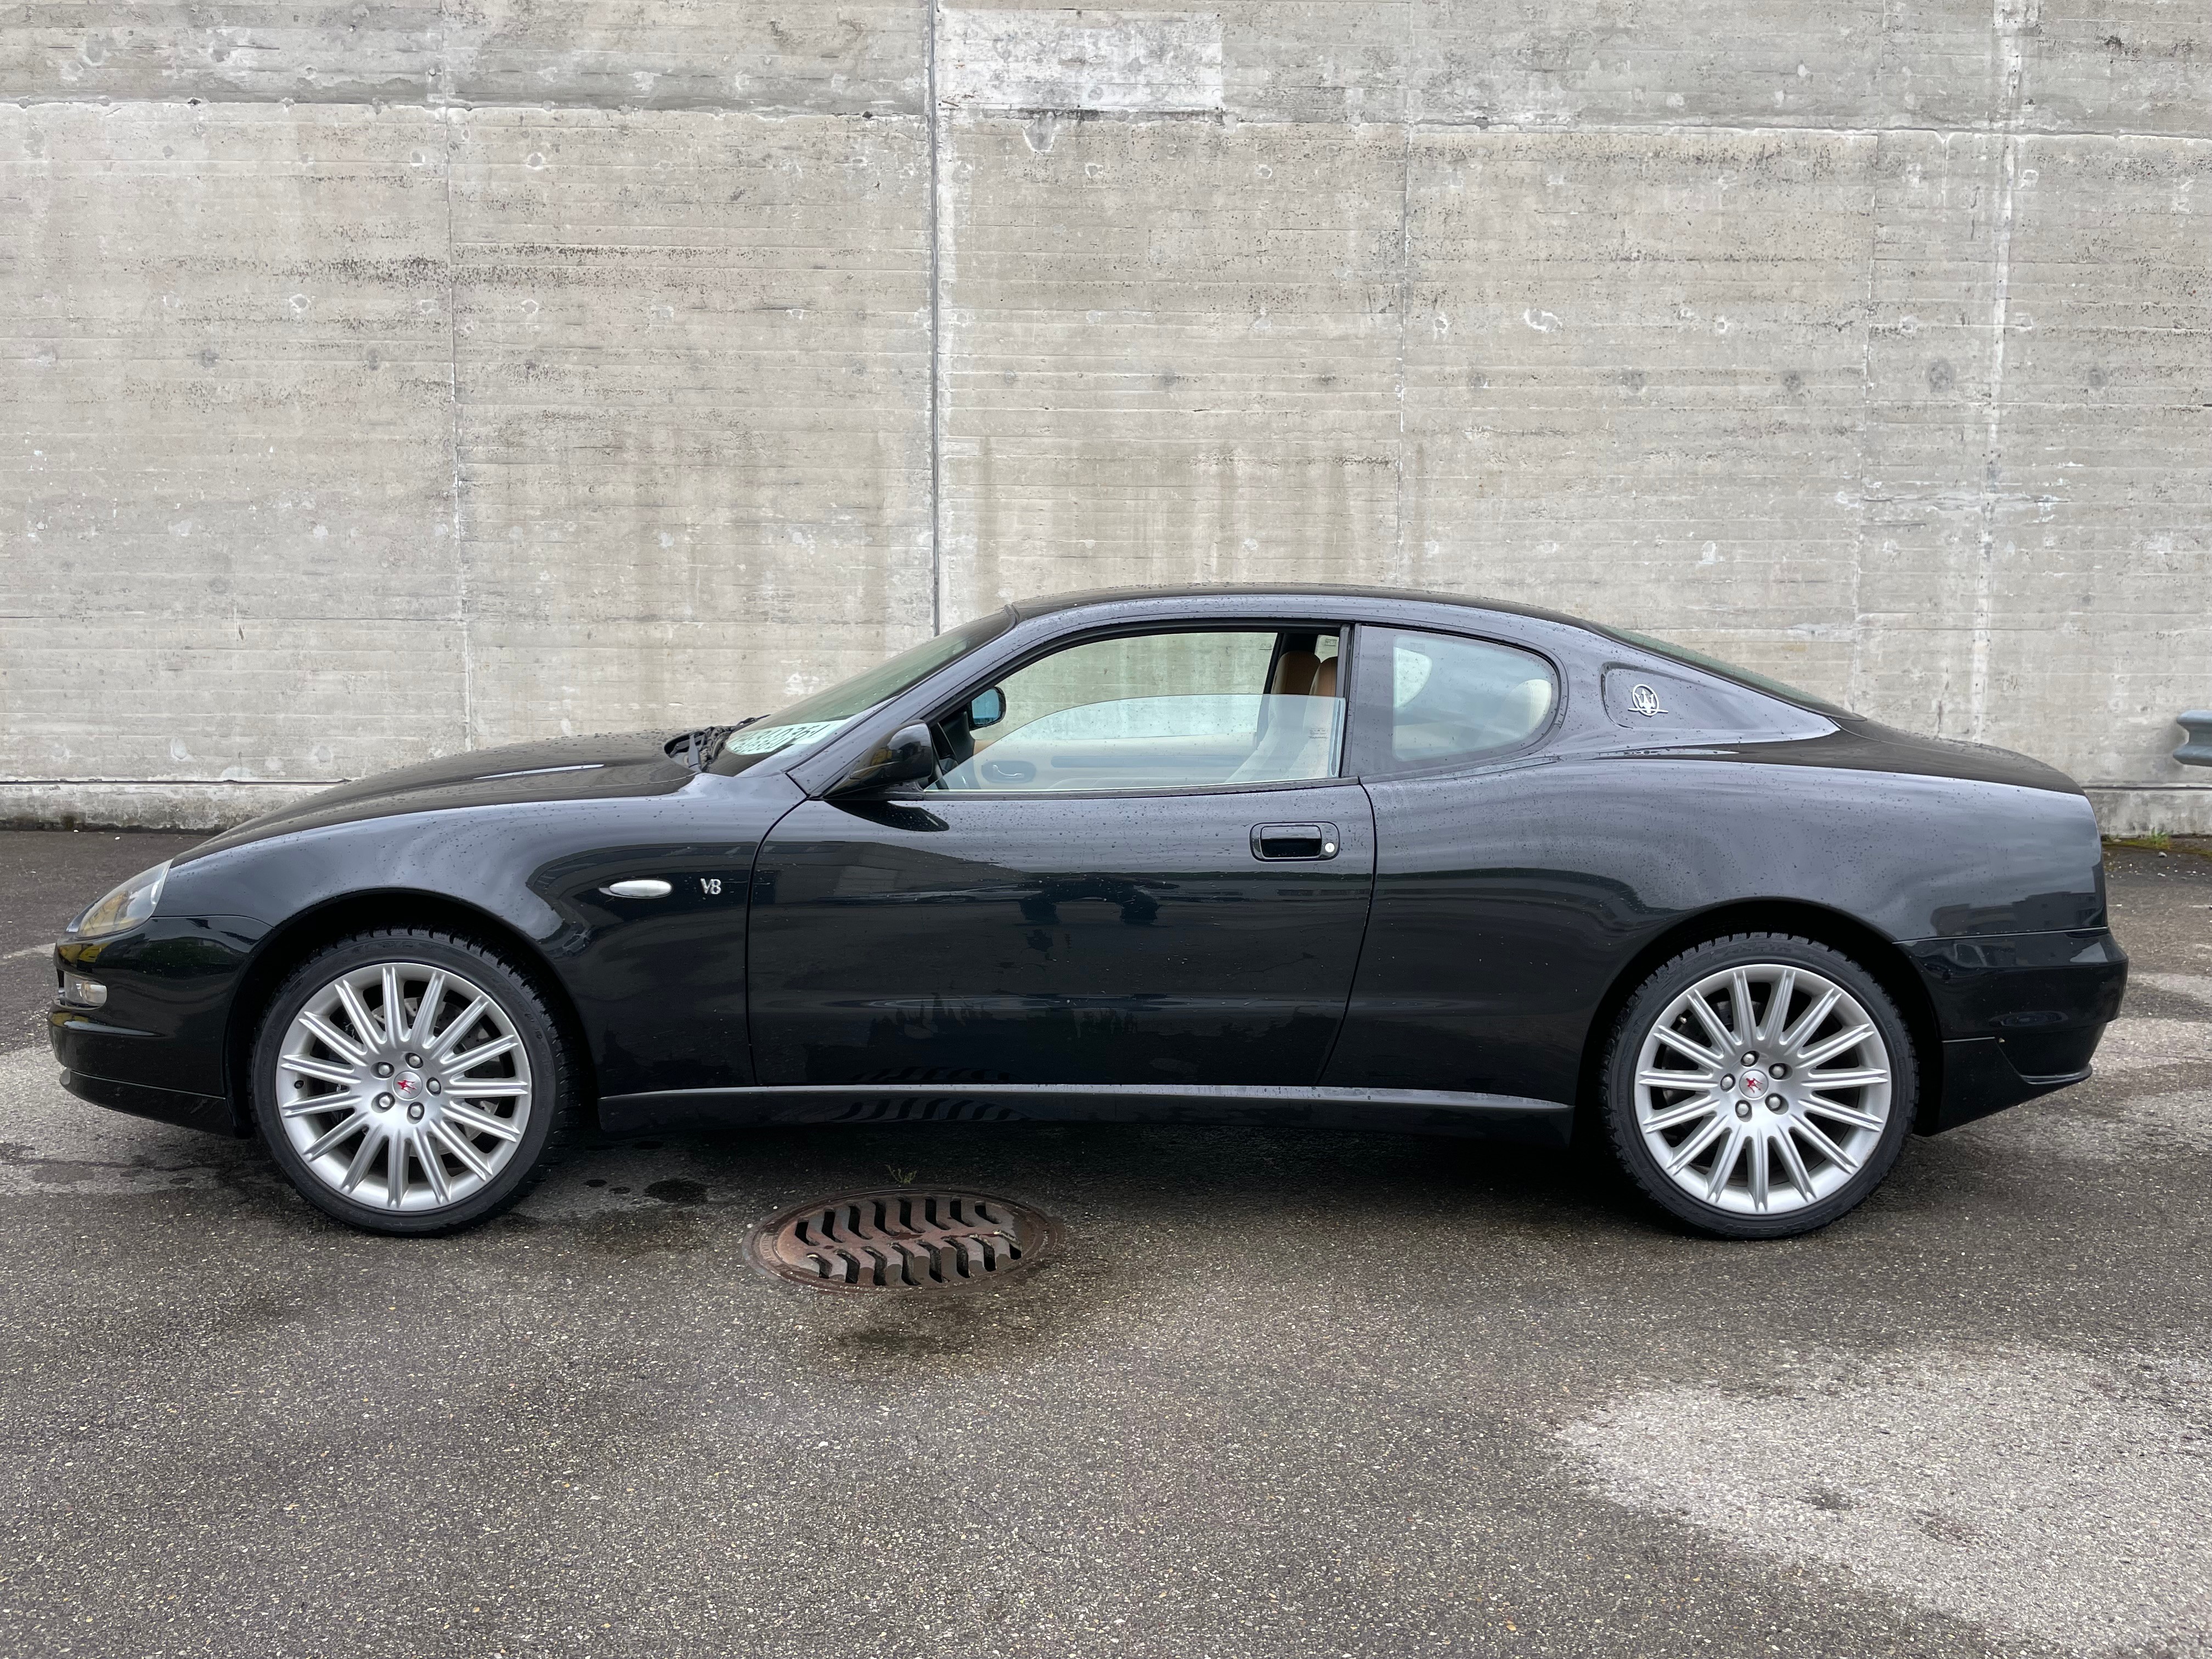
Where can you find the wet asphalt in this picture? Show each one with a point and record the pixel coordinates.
(1275, 1393)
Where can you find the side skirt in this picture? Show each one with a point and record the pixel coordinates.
(1421, 1111)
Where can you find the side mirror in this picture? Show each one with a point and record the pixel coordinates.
(908, 756)
(988, 709)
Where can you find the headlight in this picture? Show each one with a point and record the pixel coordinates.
(124, 908)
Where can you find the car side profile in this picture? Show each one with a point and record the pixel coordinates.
(1265, 855)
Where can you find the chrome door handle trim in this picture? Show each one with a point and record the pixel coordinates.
(646, 887)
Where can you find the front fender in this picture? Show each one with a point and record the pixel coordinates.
(656, 986)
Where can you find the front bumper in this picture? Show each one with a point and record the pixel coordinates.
(209, 1112)
(156, 1046)
(2019, 1014)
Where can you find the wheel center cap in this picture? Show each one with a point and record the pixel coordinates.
(1754, 1084)
(407, 1085)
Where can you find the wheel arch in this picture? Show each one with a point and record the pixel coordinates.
(1881, 957)
(299, 938)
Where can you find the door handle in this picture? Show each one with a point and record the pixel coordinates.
(1278, 842)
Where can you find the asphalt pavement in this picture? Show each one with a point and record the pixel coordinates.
(1276, 1394)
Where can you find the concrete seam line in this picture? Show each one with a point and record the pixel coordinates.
(936, 334)
(1398, 570)
(1426, 124)
(461, 593)
(1978, 670)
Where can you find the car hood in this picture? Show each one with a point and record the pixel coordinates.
(556, 769)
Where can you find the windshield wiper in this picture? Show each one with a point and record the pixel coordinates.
(697, 749)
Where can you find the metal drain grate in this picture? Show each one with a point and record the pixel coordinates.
(910, 1238)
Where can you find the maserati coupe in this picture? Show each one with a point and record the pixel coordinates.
(1342, 858)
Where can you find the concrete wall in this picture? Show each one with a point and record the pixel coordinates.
(377, 381)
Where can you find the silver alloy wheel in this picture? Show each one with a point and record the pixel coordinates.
(403, 1085)
(1762, 1089)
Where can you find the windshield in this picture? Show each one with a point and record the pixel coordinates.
(1757, 682)
(808, 721)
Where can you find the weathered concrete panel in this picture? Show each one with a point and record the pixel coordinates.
(225, 437)
(1142, 62)
(1331, 61)
(1743, 389)
(602, 371)
(822, 57)
(2083, 66)
(314, 52)
(2102, 612)
(1327, 61)
(1936, 298)
(1855, 64)
(1170, 355)
(849, 56)
(694, 384)
(2120, 66)
(1634, 381)
(2039, 454)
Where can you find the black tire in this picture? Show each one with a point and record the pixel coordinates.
(546, 1135)
(1873, 1151)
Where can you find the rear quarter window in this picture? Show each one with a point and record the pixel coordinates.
(1684, 707)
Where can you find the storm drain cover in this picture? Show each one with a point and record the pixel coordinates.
(909, 1238)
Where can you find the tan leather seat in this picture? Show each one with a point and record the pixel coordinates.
(1324, 680)
(1294, 674)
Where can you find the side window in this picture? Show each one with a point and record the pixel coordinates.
(1198, 709)
(1429, 699)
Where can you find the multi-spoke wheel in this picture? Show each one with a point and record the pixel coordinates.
(409, 1081)
(1759, 1085)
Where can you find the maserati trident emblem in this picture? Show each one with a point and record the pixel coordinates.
(1644, 701)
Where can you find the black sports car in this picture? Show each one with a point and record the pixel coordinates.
(1252, 855)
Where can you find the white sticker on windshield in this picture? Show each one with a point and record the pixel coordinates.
(771, 738)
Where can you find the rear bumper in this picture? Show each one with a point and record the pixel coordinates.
(2020, 1015)
(1979, 1078)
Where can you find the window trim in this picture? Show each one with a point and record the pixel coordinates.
(1369, 708)
(1345, 633)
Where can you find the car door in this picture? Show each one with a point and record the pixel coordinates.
(1139, 865)
(1469, 980)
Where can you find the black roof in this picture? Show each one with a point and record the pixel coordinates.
(1045, 605)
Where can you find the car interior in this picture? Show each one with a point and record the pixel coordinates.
(1187, 709)
(1214, 707)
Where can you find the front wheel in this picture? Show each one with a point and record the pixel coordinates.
(1759, 1085)
(411, 1081)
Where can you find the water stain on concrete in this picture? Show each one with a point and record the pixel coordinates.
(2041, 1494)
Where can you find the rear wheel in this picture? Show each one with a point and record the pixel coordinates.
(1759, 1085)
(411, 1081)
